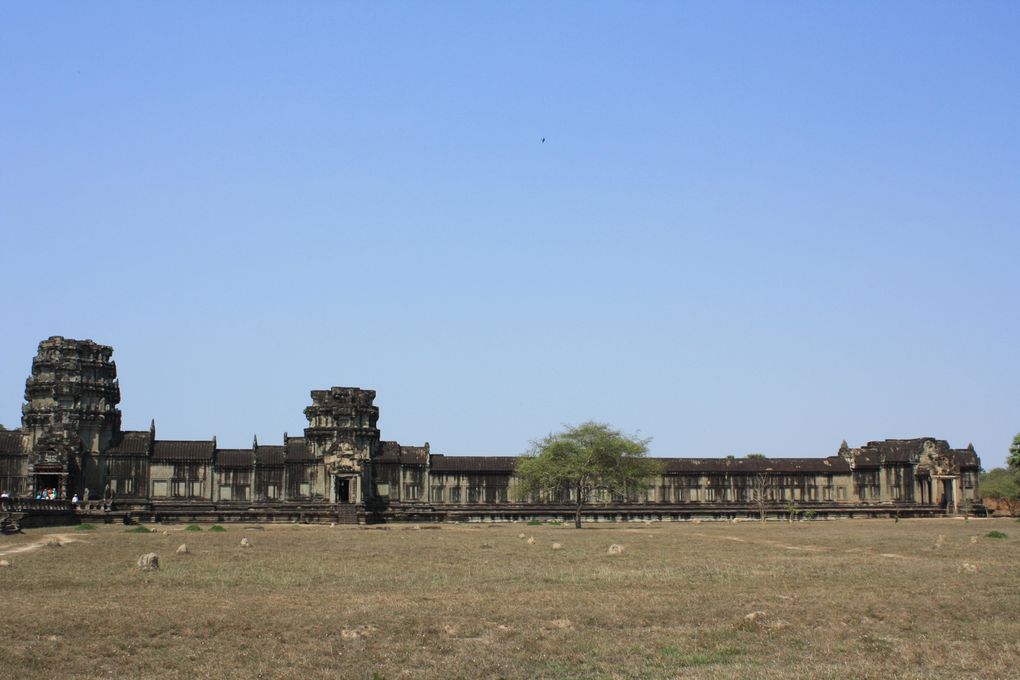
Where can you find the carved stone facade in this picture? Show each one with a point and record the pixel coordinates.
(70, 416)
(71, 441)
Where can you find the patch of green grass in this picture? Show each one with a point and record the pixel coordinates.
(539, 523)
(216, 527)
(995, 534)
(139, 530)
(682, 658)
(85, 527)
(192, 527)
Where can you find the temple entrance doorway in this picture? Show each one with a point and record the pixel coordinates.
(948, 500)
(342, 489)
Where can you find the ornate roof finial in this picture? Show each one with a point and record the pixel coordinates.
(254, 442)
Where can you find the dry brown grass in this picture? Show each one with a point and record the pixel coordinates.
(869, 599)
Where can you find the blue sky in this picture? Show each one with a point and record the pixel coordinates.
(752, 227)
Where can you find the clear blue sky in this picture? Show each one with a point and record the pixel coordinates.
(752, 227)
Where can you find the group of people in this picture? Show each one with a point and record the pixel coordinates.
(45, 495)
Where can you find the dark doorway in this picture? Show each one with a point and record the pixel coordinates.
(947, 494)
(343, 490)
(44, 482)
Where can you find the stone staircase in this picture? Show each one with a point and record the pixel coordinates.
(346, 514)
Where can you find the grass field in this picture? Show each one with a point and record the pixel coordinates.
(868, 599)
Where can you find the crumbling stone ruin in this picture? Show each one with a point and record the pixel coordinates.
(341, 470)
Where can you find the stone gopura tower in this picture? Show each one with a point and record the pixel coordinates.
(70, 417)
(342, 432)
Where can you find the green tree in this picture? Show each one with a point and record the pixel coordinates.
(755, 456)
(582, 460)
(1014, 453)
(2, 428)
(1003, 485)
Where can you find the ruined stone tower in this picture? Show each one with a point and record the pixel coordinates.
(70, 414)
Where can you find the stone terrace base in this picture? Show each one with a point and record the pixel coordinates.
(328, 513)
(32, 513)
(656, 512)
(220, 513)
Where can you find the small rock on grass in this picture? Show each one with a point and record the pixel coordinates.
(148, 562)
(615, 549)
(246, 542)
(760, 620)
(531, 540)
(4, 563)
(557, 546)
(182, 549)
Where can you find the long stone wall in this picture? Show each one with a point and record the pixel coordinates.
(71, 444)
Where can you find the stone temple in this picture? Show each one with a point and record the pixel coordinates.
(341, 469)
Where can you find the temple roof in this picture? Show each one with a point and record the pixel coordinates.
(269, 455)
(414, 455)
(832, 464)
(506, 464)
(192, 451)
(296, 450)
(967, 458)
(473, 464)
(392, 452)
(10, 442)
(133, 443)
(234, 458)
(876, 453)
(389, 452)
(902, 450)
(867, 459)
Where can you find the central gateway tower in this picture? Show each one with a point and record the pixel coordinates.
(342, 433)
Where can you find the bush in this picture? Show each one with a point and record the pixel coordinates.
(192, 527)
(810, 514)
(216, 527)
(1003, 485)
(139, 530)
(995, 534)
(85, 527)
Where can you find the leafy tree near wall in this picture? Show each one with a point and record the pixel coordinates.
(1014, 453)
(1003, 485)
(2, 428)
(584, 459)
